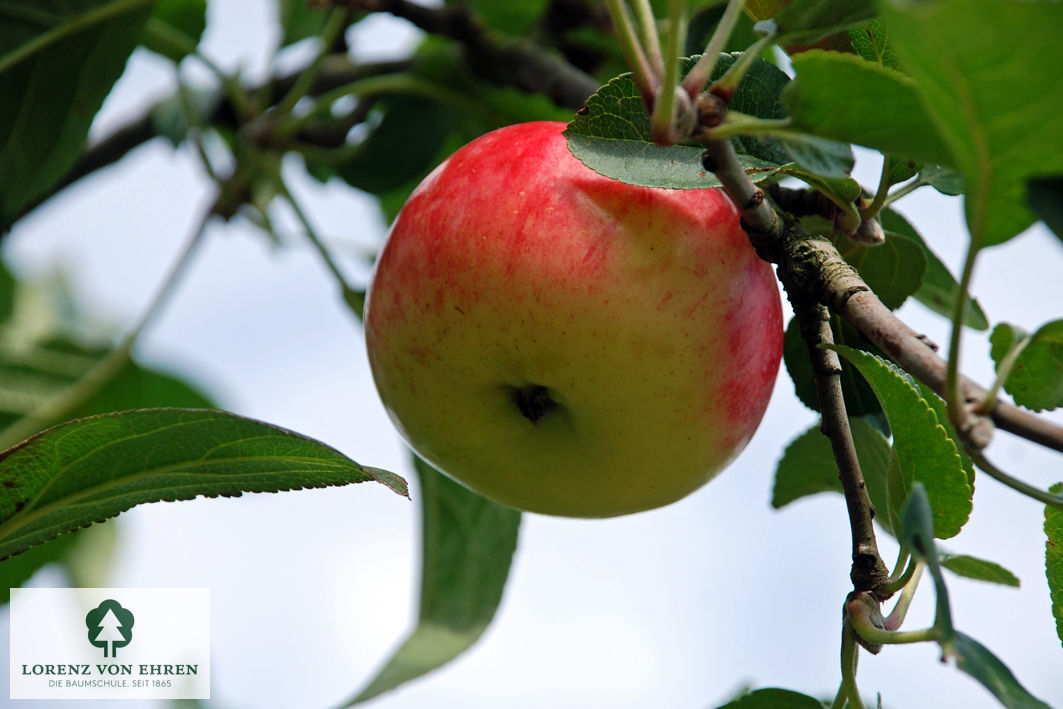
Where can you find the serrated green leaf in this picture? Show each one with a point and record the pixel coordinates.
(612, 137)
(468, 545)
(977, 661)
(893, 269)
(938, 288)
(993, 95)
(804, 21)
(925, 451)
(1046, 199)
(175, 27)
(979, 569)
(58, 62)
(871, 41)
(773, 698)
(90, 469)
(938, 405)
(1036, 377)
(882, 107)
(1054, 559)
(807, 467)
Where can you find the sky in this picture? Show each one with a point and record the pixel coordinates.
(311, 591)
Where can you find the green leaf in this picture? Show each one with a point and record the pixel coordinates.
(993, 95)
(612, 137)
(871, 41)
(981, 664)
(826, 159)
(387, 157)
(94, 468)
(1046, 200)
(515, 17)
(468, 545)
(1054, 558)
(175, 27)
(918, 525)
(807, 467)
(938, 288)
(7, 293)
(30, 376)
(979, 569)
(1036, 377)
(945, 180)
(772, 698)
(849, 99)
(300, 21)
(58, 62)
(804, 21)
(893, 269)
(925, 451)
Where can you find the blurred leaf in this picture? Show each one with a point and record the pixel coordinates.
(703, 22)
(978, 662)
(772, 698)
(1054, 559)
(979, 569)
(893, 269)
(58, 62)
(925, 451)
(917, 533)
(17, 570)
(514, 17)
(992, 94)
(938, 288)
(30, 376)
(807, 467)
(870, 40)
(613, 136)
(468, 546)
(7, 293)
(170, 118)
(388, 157)
(882, 107)
(1046, 200)
(902, 169)
(175, 27)
(810, 20)
(300, 21)
(94, 468)
(1036, 377)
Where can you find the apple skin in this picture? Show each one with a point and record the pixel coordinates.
(564, 343)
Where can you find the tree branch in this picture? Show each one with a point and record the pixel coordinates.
(521, 63)
(868, 571)
(816, 267)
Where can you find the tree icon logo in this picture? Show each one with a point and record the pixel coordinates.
(110, 625)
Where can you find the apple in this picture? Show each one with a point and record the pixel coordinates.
(564, 343)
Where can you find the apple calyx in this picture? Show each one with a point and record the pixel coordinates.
(533, 401)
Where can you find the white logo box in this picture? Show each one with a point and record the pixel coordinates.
(110, 643)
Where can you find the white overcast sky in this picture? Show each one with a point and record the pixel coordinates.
(673, 608)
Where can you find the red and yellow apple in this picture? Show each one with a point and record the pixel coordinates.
(564, 343)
